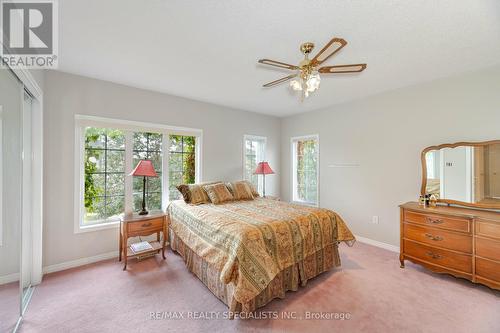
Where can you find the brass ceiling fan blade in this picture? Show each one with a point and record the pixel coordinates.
(355, 68)
(283, 79)
(330, 49)
(278, 64)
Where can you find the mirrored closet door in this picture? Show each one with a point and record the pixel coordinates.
(26, 223)
(15, 202)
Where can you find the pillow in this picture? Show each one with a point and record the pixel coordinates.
(254, 191)
(186, 193)
(240, 190)
(197, 194)
(218, 193)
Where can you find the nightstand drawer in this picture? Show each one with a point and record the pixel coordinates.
(139, 226)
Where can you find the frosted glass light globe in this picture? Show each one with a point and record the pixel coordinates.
(313, 82)
(295, 85)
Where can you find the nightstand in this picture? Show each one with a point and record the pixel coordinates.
(135, 225)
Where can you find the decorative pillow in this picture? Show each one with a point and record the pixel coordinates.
(186, 193)
(240, 190)
(254, 191)
(197, 194)
(218, 193)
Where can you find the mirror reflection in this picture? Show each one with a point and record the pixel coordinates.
(466, 173)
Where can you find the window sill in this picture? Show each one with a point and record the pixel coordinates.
(304, 203)
(97, 227)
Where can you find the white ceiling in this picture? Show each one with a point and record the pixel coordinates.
(208, 49)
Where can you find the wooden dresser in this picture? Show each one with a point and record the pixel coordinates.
(459, 241)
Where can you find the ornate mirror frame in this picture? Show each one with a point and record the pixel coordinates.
(454, 145)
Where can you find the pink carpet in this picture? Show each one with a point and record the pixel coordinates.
(9, 306)
(370, 289)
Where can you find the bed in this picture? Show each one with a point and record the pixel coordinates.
(249, 252)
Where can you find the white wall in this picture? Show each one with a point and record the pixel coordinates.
(67, 95)
(39, 77)
(385, 134)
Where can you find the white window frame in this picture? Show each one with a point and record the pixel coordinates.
(251, 137)
(293, 180)
(83, 121)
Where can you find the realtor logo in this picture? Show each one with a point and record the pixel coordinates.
(29, 33)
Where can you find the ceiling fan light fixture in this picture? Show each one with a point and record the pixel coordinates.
(306, 74)
(296, 85)
(313, 82)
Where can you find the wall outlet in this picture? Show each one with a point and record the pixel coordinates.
(375, 219)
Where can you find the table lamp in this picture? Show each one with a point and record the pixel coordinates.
(145, 169)
(263, 169)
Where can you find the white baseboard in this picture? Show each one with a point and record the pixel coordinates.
(4, 279)
(79, 262)
(105, 256)
(63, 266)
(385, 246)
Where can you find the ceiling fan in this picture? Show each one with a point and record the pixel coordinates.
(306, 76)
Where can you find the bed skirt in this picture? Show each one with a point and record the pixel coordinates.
(288, 279)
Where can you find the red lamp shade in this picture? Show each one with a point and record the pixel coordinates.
(263, 168)
(144, 168)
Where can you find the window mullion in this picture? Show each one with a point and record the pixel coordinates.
(106, 175)
(165, 198)
(129, 158)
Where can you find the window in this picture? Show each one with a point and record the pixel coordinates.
(148, 146)
(104, 174)
(254, 151)
(181, 157)
(107, 151)
(305, 173)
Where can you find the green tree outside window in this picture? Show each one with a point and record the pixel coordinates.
(104, 167)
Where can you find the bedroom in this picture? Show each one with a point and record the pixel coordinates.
(168, 81)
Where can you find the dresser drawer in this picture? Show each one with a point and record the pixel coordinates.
(140, 226)
(488, 229)
(438, 237)
(488, 269)
(488, 248)
(457, 224)
(445, 258)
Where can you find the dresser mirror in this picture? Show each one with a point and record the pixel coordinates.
(464, 173)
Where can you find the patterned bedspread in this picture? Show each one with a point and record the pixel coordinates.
(250, 242)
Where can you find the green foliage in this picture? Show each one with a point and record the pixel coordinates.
(189, 160)
(92, 192)
(307, 170)
(182, 162)
(97, 202)
(104, 151)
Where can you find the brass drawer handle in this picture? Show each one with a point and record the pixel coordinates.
(145, 225)
(434, 238)
(434, 255)
(434, 221)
